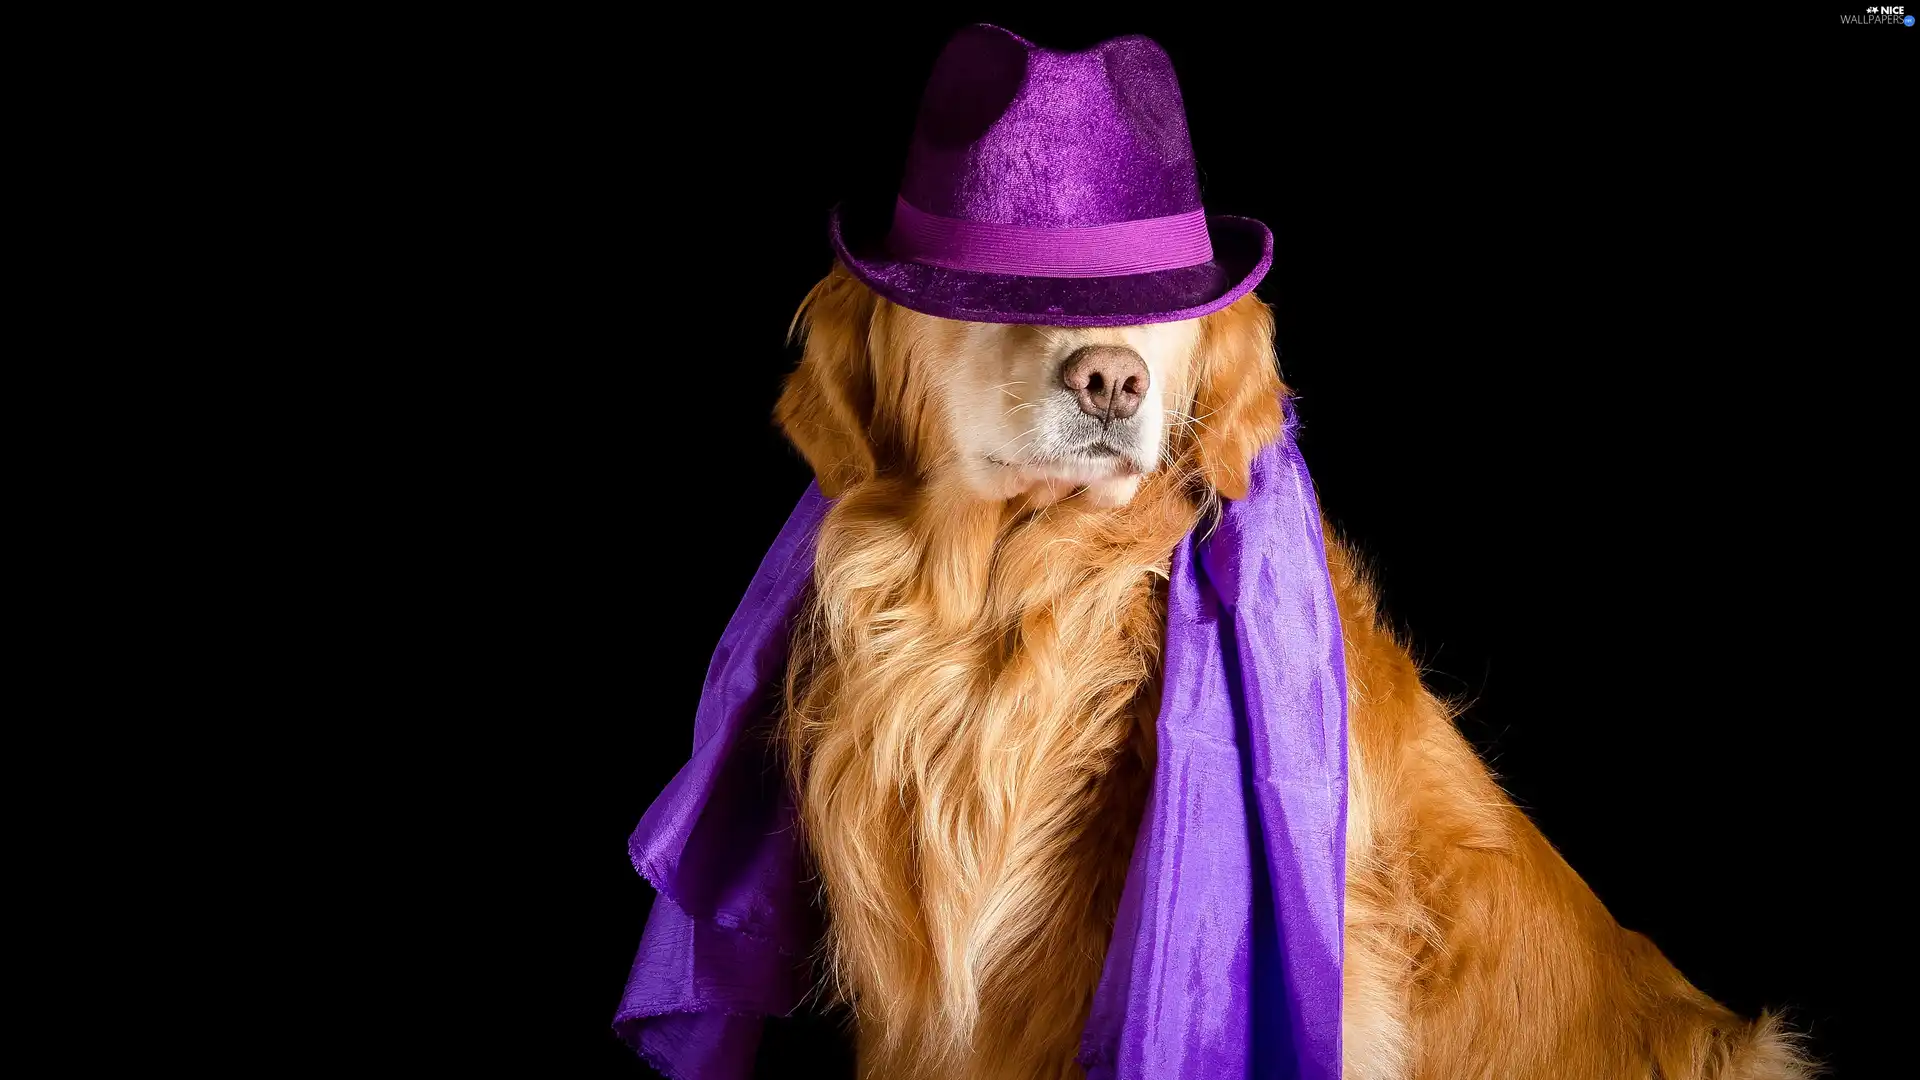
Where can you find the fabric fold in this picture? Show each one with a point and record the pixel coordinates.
(1225, 959)
(726, 943)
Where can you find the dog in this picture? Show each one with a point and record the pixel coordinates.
(968, 722)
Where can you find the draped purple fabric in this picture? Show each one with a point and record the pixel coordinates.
(727, 942)
(1225, 959)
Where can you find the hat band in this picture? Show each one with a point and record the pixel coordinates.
(1085, 251)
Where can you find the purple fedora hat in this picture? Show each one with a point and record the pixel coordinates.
(1052, 188)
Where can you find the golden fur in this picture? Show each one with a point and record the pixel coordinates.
(969, 723)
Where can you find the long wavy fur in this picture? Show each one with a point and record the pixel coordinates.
(969, 725)
(967, 710)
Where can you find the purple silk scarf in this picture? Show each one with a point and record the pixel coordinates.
(1225, 958)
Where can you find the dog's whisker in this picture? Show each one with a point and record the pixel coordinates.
(1028, 435)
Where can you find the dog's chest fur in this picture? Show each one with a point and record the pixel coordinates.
(970, 781)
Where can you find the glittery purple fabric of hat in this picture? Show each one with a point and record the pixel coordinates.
(1225, 958)
(1020, 135)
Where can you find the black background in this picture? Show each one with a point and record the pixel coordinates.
(1520, 294)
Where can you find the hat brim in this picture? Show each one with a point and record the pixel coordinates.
(1242, 254)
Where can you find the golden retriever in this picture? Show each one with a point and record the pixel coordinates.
(969, 721)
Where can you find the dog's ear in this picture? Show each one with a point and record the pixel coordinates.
(1236, 406)
(827, 406)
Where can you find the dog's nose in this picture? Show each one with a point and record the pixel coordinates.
(1108, 380)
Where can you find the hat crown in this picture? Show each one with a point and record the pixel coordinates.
(1010, 133)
